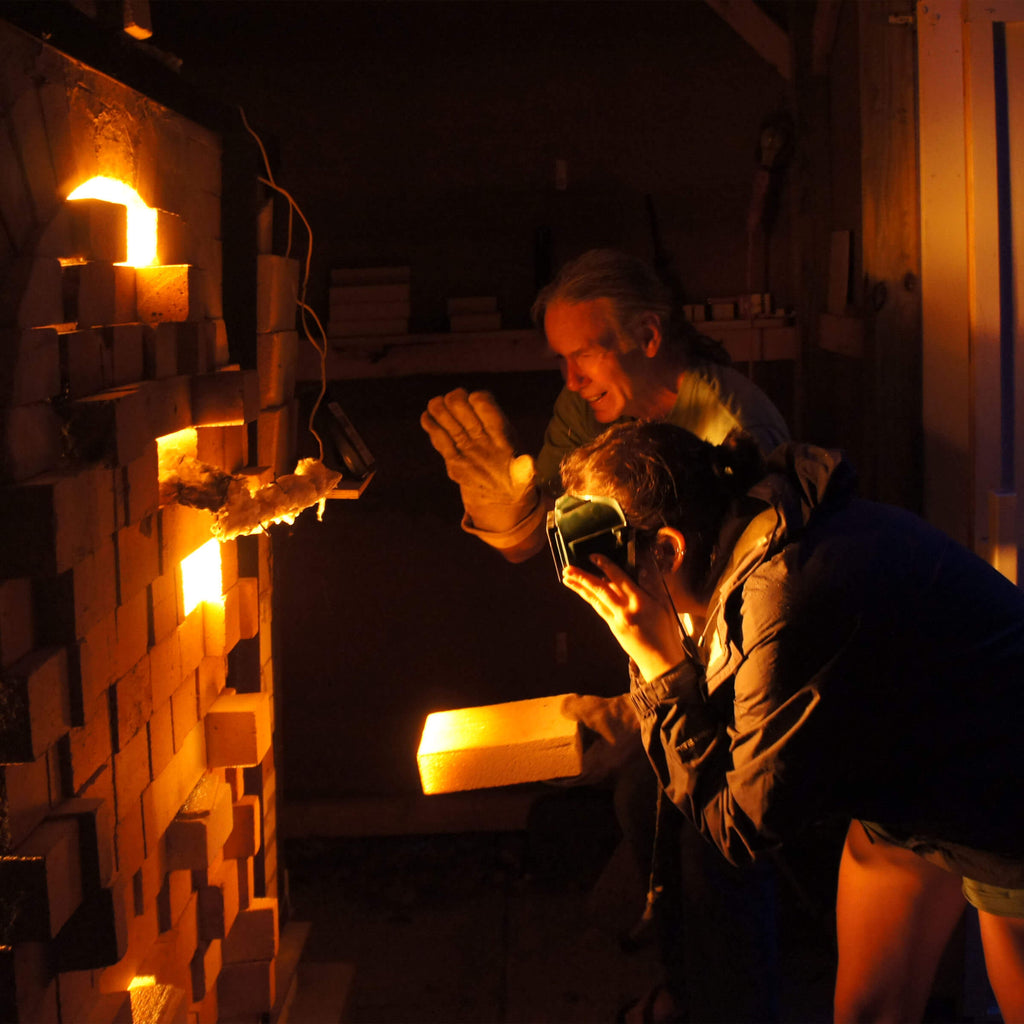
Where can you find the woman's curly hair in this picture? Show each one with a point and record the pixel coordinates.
(662, 475)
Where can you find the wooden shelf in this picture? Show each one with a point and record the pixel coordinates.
(760, 340)
(408, 354)
(403, 355)
(350, 488)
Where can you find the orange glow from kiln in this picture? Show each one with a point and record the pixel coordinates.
(150, 1002)
(201, 576)
(141, 218)
(498, 745)
(172, 447)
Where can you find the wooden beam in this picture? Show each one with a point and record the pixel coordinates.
(891, 232)
(757, 29)
(826, 17)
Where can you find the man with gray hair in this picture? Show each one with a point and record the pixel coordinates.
(624, 353)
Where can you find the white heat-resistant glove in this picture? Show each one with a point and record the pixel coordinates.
(611, 733)
(498, 488)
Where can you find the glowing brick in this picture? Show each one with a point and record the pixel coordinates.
(498, 745)
(168, 293)
(238, 729)
(199, 830)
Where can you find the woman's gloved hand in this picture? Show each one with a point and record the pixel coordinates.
(498, 488)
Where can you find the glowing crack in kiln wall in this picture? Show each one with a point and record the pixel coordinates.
(138, 799)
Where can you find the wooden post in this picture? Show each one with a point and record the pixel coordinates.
(891, 250)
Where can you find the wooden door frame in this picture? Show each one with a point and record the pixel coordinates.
(963, 489)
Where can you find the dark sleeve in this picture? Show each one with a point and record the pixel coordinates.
(740, 763)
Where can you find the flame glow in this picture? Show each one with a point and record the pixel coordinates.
(151, 1002)
(141, 218)
(201, 576)
(172, 447)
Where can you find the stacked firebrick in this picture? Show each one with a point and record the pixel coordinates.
(138, 867)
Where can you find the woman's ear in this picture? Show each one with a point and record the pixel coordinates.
(669, 549)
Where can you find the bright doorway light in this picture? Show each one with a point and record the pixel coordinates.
(141, 218)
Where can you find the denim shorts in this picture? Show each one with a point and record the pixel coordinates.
(993, 899)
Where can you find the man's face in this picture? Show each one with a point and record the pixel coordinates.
(599, 361)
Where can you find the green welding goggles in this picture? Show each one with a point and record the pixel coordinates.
(579, 527)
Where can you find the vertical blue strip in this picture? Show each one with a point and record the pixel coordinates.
(1004, 205)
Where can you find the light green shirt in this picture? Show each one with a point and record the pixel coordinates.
(712, 401)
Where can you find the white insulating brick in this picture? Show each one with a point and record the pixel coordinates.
(169, 292)
(89, 291)
(204, 155)
(238, 730)
(171, 238)
(31, 293)
(44, 874)
(87, 229)
(31, 365)
(276, 354)
(30, 440)
(37, 710)
(168, 406)
(24, 798)
(199, 830)
(224, 398)
(142, 485)
(17, 626)
(47, 524)
(162, 800)
(125, 295)
(24, 116)
(244, 840)
(211, 259)
(160, 351)
(498, 745)
(255, 934)
(273, 436)
(277, 286)
(125, 350)
(190, 343)
(221, 353)
(86, 362)
(183, 531)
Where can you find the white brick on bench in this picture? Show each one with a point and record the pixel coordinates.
(498, 745)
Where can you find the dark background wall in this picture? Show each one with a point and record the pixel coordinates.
(426, 134)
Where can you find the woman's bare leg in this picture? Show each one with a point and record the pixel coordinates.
(895, 913)
(1002, 938)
